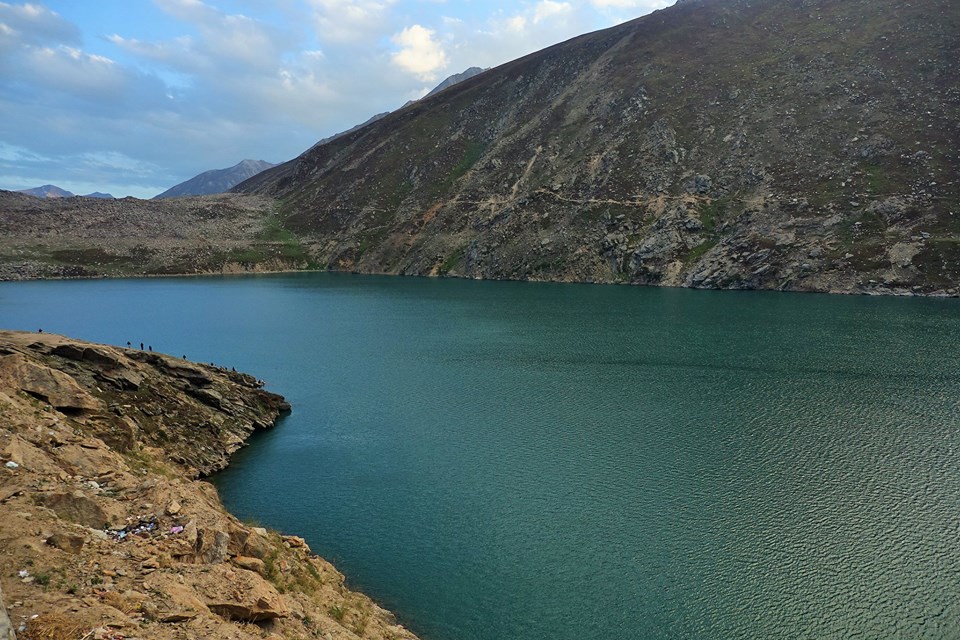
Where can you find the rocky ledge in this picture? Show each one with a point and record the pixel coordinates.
(107, 529)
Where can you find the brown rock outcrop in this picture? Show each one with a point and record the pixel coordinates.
(105, 528)
(250, 598)
(46, 384)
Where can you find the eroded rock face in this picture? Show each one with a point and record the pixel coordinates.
(105, 526)
(46, 384)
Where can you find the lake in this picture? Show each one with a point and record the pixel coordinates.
(506, 460)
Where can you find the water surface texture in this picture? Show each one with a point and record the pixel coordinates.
(498, 461)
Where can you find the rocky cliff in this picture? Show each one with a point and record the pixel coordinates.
(107, 530)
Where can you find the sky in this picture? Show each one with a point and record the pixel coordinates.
(131, 97)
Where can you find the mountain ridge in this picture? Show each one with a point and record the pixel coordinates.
(448, 82)
(772, 144)
(53, 191)
(216, 180)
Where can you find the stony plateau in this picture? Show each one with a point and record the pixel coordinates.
(107, 529)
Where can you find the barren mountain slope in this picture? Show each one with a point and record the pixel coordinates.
(798, 144)
(84, 237)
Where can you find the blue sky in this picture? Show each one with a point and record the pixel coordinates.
(133, 96)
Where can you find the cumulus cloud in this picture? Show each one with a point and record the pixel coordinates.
(420, 54)
(548, 8)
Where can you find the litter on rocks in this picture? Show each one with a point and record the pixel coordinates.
(143, 528)
(11, 465)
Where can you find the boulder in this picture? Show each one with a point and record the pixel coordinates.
(173, 601)
(69, 542)
(902, 253)
(120, 433)
(258, 543)
(75, 507)
(700, 185)
(250, 564)
(892, 209)
(212, 545)
(296, 542)
(69, 351)
(101, 356)
(239, 595)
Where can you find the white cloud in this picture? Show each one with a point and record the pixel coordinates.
(343, 21)
(12, 153)
(114, 160)
(420, 54)
(548, 8)
(70, 70)
(517, 24)
(35, 24)
(231, 40)
(179, 53)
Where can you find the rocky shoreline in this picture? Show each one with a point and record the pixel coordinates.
(234, 234)
(107, 529)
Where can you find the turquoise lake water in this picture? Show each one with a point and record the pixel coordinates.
(499, 461)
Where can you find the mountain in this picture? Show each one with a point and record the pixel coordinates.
(216, 180)
(789, 144)
(47, 191)
(455, 79)
(449, 82)
(53, 191)
(370, 120)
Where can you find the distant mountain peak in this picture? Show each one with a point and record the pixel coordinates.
(455, 79)
(217, 180)
(47, 191)
(449, 82)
